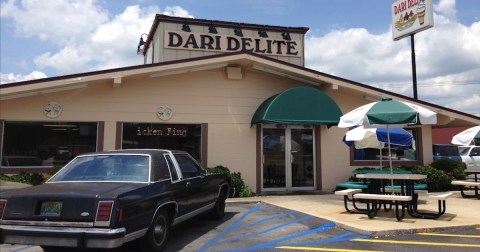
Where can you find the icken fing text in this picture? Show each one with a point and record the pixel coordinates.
(149, 131)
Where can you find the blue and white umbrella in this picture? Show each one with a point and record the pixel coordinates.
(377, 138)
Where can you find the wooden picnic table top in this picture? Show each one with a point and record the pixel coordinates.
(472, 171)
(392, 176)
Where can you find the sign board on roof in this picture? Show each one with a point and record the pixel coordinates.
(411, 16)
(228, 43)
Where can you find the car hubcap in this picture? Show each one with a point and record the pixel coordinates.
(159, 230)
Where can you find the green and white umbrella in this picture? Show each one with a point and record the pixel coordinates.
(388, 113)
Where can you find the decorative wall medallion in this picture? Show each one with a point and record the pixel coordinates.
(52, 109)
(164, 113)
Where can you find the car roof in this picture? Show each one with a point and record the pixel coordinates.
(137, 151)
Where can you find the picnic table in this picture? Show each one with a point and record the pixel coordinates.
(364, 185)
(405, 198)
(468, 184)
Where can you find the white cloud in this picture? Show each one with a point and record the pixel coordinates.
(177, 11)
(59, 21)
(110, 45)
(447, 60)
(7, 78)
(447, 8)
(88, 39)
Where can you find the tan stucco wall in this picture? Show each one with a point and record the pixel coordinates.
(427, 144)
(208, 97)
(227, 106)
(335, 154)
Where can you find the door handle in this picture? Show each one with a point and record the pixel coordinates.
(188, 184)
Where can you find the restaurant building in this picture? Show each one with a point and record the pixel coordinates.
(231, 94)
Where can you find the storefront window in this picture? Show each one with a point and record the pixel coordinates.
(46, 143)
(186, 137)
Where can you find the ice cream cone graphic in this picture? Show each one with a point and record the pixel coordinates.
(421, 17)
(421, 12)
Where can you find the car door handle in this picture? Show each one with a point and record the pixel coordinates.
(188, 184)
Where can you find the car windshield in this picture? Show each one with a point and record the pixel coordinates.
(118, 168)
(463, 150)
(445, 150)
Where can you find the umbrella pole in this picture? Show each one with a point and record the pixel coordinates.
(390, 155)
(381, 163)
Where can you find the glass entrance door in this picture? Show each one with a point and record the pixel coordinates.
(288, 158)
(274, 173)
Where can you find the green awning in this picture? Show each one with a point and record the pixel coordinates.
(300, 106)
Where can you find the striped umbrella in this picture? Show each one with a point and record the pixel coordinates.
(467, 136)
(388, 113)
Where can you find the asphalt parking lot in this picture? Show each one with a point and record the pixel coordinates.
(264, 227)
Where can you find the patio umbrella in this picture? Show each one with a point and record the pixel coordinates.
(388, 113)
(377, 138)
(467, 136)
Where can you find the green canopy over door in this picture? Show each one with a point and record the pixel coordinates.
(300, 106)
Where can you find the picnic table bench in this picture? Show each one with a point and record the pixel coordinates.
(348, 197)
(404, 196)
(373, 202)
(466, 184)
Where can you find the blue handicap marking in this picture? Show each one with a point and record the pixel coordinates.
(237, 234)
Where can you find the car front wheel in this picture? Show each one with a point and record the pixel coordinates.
(218, 210)
(157, 234)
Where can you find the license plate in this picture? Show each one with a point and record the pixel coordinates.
(51, 208)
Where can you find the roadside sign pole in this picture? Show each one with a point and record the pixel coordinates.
(414, 67)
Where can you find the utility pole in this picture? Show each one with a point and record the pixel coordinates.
(414, 67)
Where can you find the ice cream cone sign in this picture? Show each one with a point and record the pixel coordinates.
(405, 14)
(421, 12)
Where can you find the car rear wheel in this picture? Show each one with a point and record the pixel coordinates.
(218, 210)
(157, 234)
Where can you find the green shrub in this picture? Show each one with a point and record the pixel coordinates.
(241, 190)
(26, 178)
(436, 180)
(446, 165)
(219, 169)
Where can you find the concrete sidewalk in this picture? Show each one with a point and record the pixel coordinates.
(9, 185)
(460, 213)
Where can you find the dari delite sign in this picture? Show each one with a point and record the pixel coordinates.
(226, 43)
(411, 16)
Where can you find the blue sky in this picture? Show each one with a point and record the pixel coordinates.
(347, 38)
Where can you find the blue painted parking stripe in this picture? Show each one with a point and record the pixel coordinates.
(267, 230)
(229, 228)
(276, 243)
(281, 241)
(21, 248)
(267, 220)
